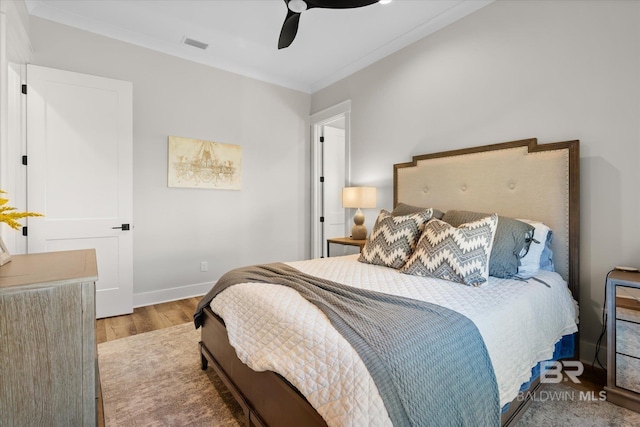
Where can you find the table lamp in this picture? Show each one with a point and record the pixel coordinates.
(359, 197)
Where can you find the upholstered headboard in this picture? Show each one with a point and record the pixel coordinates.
(519, 179)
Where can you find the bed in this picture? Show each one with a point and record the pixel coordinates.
(289, 366)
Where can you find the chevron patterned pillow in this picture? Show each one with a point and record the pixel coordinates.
(457, 254)
(512, 236)
(394, 238)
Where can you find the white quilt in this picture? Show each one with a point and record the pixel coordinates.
(273, 328)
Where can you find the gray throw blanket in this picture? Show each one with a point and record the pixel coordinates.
(429, 363)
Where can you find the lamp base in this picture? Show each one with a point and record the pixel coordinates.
(358, 231)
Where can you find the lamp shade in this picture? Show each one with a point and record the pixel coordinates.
(359, 197)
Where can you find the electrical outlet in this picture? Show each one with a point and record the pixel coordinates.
(204, 266)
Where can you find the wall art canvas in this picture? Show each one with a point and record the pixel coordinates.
(194, 163)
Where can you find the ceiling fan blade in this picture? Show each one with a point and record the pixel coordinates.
(289, 29)
(291, 22)
(340, 4)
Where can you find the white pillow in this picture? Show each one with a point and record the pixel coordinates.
(530, 263)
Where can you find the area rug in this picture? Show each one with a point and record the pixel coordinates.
(154, 379)
(559, 405)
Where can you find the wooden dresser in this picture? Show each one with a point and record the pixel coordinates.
(623, 343)
(48, 368)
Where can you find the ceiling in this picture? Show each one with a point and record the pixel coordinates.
(242, 35)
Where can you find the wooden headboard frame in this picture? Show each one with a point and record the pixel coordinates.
(519, 179)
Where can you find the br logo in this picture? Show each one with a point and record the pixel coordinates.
(552, 371)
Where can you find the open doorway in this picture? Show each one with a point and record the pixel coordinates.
(330, 173)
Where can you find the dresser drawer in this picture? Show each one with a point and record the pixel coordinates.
(628, 372)
(628, 314)
(48, 357)
(623, 339)
(628, 338)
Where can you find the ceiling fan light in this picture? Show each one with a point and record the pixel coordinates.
(384, 1)
(297, 6)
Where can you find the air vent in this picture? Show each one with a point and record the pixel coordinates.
(195, 43)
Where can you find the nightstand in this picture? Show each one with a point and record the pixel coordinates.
(623, 339)
(345, 241)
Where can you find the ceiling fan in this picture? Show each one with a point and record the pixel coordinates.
(296, 7)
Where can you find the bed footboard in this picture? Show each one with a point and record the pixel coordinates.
(266, 398)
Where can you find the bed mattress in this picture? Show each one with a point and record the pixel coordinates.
(273, 328)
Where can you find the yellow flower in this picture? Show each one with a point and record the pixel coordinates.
(9, 217)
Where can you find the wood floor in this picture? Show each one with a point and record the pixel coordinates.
(146, 319)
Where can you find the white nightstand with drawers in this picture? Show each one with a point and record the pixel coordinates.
(623, 339)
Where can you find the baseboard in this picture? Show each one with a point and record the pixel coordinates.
(588, 351)
(594, 374)
(172, 294)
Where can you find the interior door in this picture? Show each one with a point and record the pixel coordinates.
(330, 166)
(79, 175)
(333, 171)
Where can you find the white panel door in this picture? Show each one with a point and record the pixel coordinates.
(334, 180)
(79, 175)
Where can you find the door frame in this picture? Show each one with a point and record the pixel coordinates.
(318, 121)
(15, 52)
(14, 173)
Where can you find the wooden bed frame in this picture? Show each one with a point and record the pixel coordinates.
(519, 179)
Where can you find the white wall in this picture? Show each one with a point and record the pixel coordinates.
(512, 70)
(176, 229)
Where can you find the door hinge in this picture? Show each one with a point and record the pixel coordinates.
(24, 160)
(321, 219)
(322, 139)
(24, 231)
(24, 89)
(322, 179)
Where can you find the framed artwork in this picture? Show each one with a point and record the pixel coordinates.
(195, 163)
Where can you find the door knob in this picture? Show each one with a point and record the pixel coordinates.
(124, 227)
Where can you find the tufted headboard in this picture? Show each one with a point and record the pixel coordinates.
(519, 179)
